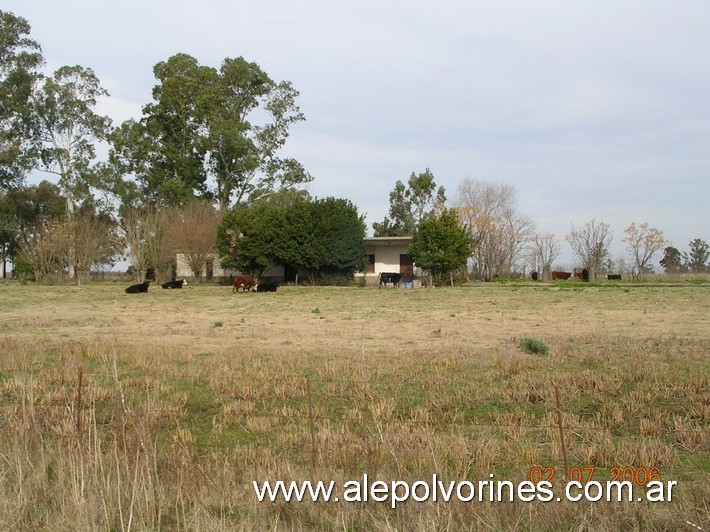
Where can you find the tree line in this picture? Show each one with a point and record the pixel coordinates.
(201, 171)
(210, 136)
(502, 242)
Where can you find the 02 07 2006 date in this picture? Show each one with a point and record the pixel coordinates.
(583, 475)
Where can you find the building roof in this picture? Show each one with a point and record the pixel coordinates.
(387, 240)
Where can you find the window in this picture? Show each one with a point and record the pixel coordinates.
(209, 270)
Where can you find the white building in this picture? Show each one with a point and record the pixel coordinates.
(213, 270)
(384, 254)
(387, 254)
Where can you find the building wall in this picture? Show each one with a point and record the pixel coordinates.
(386, 257)
(386, 252)
(183, 270)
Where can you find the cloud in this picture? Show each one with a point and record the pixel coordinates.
(591, 110)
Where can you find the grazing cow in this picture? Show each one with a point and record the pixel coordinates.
(613, 277)
(390, 277)
(245, 282)
(267, 286)
(561, 276)
(174, 284)
(138, 288)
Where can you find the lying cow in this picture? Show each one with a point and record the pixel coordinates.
(390, 277)
(245, 282)
(174, 284)
(138, 288)
(561, 276)
(267, 286)
(613, 277)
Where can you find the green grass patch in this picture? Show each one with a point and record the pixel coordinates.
(533, 346)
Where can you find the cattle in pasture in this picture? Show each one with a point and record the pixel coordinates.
(245, 282)
(582, 274)
(613, 277)
(390, 277)
(138, 288)
(269, 286)
(174, 284)
(561, 276)
(534, 276)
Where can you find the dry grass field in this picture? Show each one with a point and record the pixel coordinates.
(157, 411)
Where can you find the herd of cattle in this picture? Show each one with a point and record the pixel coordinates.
(245, 283)
(582, 275)
(142, 288)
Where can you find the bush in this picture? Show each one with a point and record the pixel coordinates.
(532, 346)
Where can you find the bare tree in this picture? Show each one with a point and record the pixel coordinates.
(46, 250)
(192, 231)
(92, 239)
(642, 243)
(544, 250)
(498, 233)
(590, 243)
(144, 239)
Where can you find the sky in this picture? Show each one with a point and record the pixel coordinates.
(591, 110)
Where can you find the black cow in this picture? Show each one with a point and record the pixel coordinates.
(582, 275)
(174, 284)
(390, 277)
(138, 288)
(613, 277)
(269, 286)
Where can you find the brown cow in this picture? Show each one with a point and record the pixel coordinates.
(245, 282)
(561, 276)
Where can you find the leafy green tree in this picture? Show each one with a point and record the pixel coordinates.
(199, 138)
(410, 203)
(25, 211)
(20, 60)
(247, 237)
(68, 128)
(672, 260)
(698, 256)
(338, 231)
(244, 156)
(324, 237)
(440, 244)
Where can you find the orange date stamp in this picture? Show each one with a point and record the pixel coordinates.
(636, 475)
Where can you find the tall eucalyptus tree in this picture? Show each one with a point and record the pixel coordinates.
(20, 60)
(211, 134)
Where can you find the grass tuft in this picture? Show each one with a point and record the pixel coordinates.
(533, 346)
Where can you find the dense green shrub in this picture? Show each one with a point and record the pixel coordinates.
(532, 346)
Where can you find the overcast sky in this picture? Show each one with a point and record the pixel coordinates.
(591, 110)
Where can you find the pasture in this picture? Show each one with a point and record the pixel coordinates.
(156, 411)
